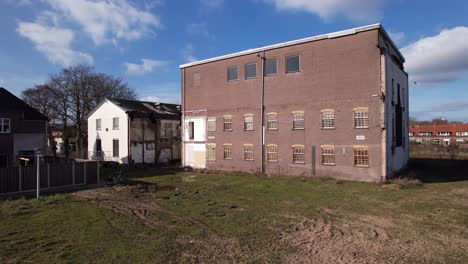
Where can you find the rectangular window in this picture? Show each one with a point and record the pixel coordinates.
(462, 133)
(251, 71)
(211, 152)
(445, 134)
(298, 154)
(227, 123)
(233, 73)
(328, 155)
(271, 67)
(98, 124)
(248, 152)
(191, 130)
(272, 153)
(227, 150)
(292, 64)
(361, 157)
(211, 124)
(115, 123)
(115, 148)
(248, 122)
(298, 120)
(272, 121)
(361, 118)
(5, 125)
(425, 133)
(328, 119)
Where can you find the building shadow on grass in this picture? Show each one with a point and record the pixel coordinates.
(437, 170)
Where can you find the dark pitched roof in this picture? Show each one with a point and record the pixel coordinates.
(143, 108)
(11, 104)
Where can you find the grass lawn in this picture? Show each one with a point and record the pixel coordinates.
(197, 218)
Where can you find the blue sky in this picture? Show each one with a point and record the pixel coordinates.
(144, 42)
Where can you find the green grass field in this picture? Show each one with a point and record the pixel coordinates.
(200, 218)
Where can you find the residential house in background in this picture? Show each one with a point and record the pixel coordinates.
(23, 129)
(332, 105)
(447, 134)
(60, 143)
(128, 132)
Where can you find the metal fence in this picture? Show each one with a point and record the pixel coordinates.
(51, 175)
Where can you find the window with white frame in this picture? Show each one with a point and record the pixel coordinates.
(444, 134)
(211, 124)
(361, 117)
(272, 121)
(298, 154)
(328, 119)
(361, 156)
(298, 120)
(425, 133)
(227, 151)
(227, 123)
(248, 152)
(5, 125)
(211, 152)
(98, 124)
(328, 155)
(115, 123)
(272, 153)
(462, 133)
(248, 122)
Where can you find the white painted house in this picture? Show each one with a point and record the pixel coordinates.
(128, 131)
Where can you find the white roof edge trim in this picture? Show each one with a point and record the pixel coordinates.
(341, 33)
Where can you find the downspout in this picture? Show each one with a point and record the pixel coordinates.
(385, 119)
(182, 122)
(262, 115)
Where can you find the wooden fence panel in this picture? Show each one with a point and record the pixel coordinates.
(28, 178)
(79, 173)
(9, 180)
(91, 173)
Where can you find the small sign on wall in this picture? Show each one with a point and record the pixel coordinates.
(360, 137)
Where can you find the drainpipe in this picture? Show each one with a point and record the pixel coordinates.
(182, 122)
(262, 114)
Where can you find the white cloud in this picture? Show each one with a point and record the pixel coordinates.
(212, 4)
(397, 37)
(54, 42)
(439, 58)
(355, 10)
(163, 99)
(187, 53)
(199, 29)
(109, 20)
(146, 66)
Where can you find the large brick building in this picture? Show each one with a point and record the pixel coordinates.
(332, 105)
(440, 134)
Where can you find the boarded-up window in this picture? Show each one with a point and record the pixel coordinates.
(115, 148)
(233, 73)
(115, 123)
(227, 123)
(328, 119)
(271, 67)
(272, 121)
(250, 70)
(361, 118)
(98, 124)
(328, 156)
(292, 64)
(191, 130)
(272, 153)
(361, 157)
(298, 154)
(211, 124)
(298, 120)
(248, 122)
(227, 151)
(248, 152)
(211, 152)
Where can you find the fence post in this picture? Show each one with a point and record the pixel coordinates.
(97, 163)
(20, 180)
(73, 173)
(84, 170)
(48, 175)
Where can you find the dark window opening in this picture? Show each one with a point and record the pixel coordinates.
(98, 145)
(233, 73)
(115, 148)
(271, 67)
(251, 71)
(3, 161)
(292, 64)
(191, 130)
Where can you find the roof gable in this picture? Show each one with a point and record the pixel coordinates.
(10, 103)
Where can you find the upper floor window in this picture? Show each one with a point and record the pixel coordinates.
(211, 152)
(361, 117)
(328, 155)
(298, 120)
(248, 152)
(292, 64)
(328, 119)
(444, 134)
(211, 124)
(462, 133)
(5, 125)
(115, 123)
(227, 123)
(98, 124)
(271, 67)
(251, 71)
(233, 73)
(248, 122)
(298, 154)
(361, 156)
(272, 121)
